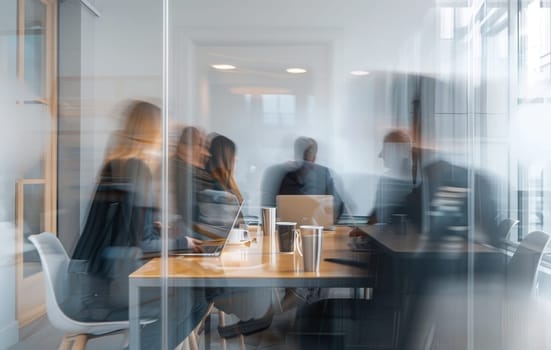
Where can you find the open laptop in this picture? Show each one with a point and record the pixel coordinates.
(218, 235)
(306, 209)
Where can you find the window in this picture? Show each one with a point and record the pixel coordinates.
(279, 109)
(533, 116)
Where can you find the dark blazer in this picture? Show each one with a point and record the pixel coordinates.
(188, 181)
(442, 175)
(311, 179)
(121, 213)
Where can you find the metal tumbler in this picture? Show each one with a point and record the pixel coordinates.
(312, 237)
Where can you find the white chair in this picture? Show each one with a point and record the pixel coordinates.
(54, 264)
(522, 269)
(506, 227)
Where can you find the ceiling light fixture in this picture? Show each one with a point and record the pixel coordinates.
(359, 72)
(295, 70)
(223, 66)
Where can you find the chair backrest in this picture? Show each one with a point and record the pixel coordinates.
(55, 262)
(506, 227)
(522, 270)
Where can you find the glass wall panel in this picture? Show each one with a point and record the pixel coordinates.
(286, 174)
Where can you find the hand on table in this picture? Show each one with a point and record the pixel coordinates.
(356, 232)
(194, 244)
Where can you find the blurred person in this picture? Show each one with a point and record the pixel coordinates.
(454, 206)
(189, 177)
(120, 225)
(397, 183)
(221, 165)
(446, 192)
(308, 178)
(251, 305)
(304, 177)
(271, 181)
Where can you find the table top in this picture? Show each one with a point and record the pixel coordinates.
(257, 263)
(414, 244)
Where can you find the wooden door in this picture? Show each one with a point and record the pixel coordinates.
(35, 190)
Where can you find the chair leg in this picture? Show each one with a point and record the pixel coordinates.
(125, 340)
(192, 339)
(65, 343)
(222, 323)
(242, 342)
(184, 345)
(80, 342)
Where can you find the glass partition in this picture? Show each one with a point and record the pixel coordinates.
(291, 174)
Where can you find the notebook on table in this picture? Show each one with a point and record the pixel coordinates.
(218, 235)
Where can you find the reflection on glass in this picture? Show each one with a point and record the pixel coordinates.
(38, 113)
(33, 223)
(279, 109)
(35, 47)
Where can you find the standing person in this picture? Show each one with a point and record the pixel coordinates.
(120, 225)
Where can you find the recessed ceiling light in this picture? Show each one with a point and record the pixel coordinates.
(359, 72)
(223, 66)
(296, 70)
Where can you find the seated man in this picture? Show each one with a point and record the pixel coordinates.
(305, 177)
(396, 184)
(308, 178)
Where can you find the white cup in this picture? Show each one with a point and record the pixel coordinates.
(238, 235)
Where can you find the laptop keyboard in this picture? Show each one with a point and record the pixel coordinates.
(210, 248)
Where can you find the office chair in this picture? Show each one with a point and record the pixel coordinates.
(55, 261)
(522, 269)
(499, 308)
(506, 227)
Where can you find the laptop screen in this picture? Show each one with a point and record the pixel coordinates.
(216, 236)
(306, 209)
(220, 230)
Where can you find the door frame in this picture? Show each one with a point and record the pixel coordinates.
(32, 287)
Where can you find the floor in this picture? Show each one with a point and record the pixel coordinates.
(41, 335)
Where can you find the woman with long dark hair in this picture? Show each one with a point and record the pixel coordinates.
(251, 305)
(221, 165)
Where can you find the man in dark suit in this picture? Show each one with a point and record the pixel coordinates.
(308, 178)
(305, 177)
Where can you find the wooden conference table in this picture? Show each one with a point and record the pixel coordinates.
(255, 264)
(412, 244)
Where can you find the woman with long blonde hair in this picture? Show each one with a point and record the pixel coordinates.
(141, 135)
(120, 225)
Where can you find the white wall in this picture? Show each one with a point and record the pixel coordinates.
(121, 60)
(352, 113)
(122, 55)
(392, 39)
